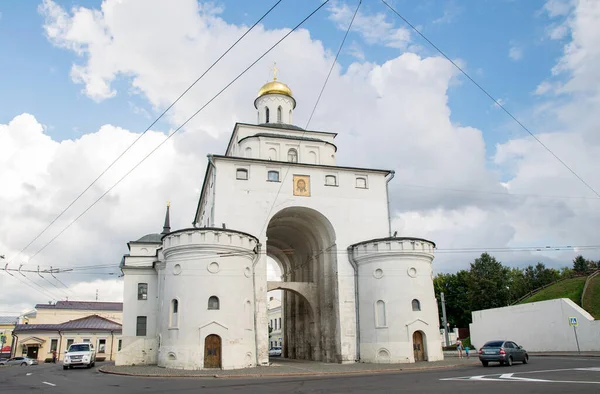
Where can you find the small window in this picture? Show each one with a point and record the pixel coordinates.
(53, 345)
(119, 344)
(266, 114)
(293, 156)
(242, 174)
(140, 329)
(290, 117)
(330, 180)
(416, 305)
(273, 176)
(279, 114)
(142, 291)
(174, 313)
(86, 340)
(101, 345)
(380, 314)
(213, 303)
(361, 183)
(280, 323)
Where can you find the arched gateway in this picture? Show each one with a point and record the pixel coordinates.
(277, 192)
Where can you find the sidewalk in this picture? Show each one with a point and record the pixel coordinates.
(565, 354)
(285, 368)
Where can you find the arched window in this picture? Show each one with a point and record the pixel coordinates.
(312, 157)
(241, 173)
(330, 180)
(266, 114)
(416, 305)
(213, 303)
(293, 156)
(272, 154)
(279, 114)
(174, 313)
(248, 152)
(361, 182)
(290, 118)
(380, 314)
(273, 176)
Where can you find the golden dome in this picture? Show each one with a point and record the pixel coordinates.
(275, 87)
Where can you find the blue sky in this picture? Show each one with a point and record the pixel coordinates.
(35, 77)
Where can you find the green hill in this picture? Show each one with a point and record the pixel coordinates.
(568, 288)
(591, 300)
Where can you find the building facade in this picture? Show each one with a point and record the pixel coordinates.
(275, 323)
(54, 327)
(7, 325)
(197, 297)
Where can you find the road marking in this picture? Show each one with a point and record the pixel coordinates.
(595, 369)
(509, 377)
(49, 384)
(29, 373)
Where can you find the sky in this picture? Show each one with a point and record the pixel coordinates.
(81, 80)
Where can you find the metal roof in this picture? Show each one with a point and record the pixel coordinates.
(88, 323)
(149, 239)
(8, 319)
(84, 305)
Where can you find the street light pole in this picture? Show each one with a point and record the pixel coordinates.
(444, 320)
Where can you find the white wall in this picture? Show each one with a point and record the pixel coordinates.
(537, 326)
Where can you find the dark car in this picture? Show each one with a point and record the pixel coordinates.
(504, 352)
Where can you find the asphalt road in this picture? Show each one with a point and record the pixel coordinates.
(541, 375)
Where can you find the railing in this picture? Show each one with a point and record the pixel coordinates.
(587, 282)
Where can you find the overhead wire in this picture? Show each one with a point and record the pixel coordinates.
(493, 99)
(176, 130)
(147, 129)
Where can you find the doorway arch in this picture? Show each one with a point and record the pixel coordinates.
(302, 241)
(419, 346)
(212, 351)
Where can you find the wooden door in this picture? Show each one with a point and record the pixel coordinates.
(418, 348)
(212, 351)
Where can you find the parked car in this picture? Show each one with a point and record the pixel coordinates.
(80, 354)
(22, 361)
(275, 352)
(504, 352)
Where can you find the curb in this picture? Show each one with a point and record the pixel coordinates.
(563, 355)
(285, 375)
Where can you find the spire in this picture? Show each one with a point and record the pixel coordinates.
(167, 226)
(274, 69)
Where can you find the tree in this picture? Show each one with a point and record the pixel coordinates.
(489, 283)
(580, 265)
(455, 289)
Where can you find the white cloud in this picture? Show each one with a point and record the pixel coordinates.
(515, 52)
(392, 115)
(374, 28)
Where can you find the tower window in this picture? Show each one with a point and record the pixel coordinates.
(142, 291)
(279, 114)
(293, 156)
(140, 329)
(380, 314)
(330, 180)
(213, 303)
(361, 182)
(266, 114)
(273, 176)
(242, 174)
(416, 305)
(174, 313)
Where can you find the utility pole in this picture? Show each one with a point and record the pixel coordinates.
(444, 320)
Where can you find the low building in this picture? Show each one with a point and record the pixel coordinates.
(55, 326)
(275, 324)
(7, 325)
(38, 341)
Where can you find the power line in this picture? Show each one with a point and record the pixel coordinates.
(147, 129)
(312, 113)
(177, 129)
(493, 99)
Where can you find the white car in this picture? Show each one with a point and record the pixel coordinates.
(80, 354)
(275, 352)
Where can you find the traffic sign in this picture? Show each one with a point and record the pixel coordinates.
(573, 322)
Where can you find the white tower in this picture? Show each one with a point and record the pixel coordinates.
(275, 103)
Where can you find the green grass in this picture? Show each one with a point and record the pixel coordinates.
(568, 288)
(591, 301)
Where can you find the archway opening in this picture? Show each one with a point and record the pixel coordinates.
(302, 243)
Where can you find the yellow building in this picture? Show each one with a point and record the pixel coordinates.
(54, 327)
(7, 325)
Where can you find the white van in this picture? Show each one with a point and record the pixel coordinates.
(80, 354)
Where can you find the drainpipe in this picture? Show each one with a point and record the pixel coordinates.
(59, 346)
(387, 194)
(211, 161)
(112, 342)
(356, 299)
(256, 258)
